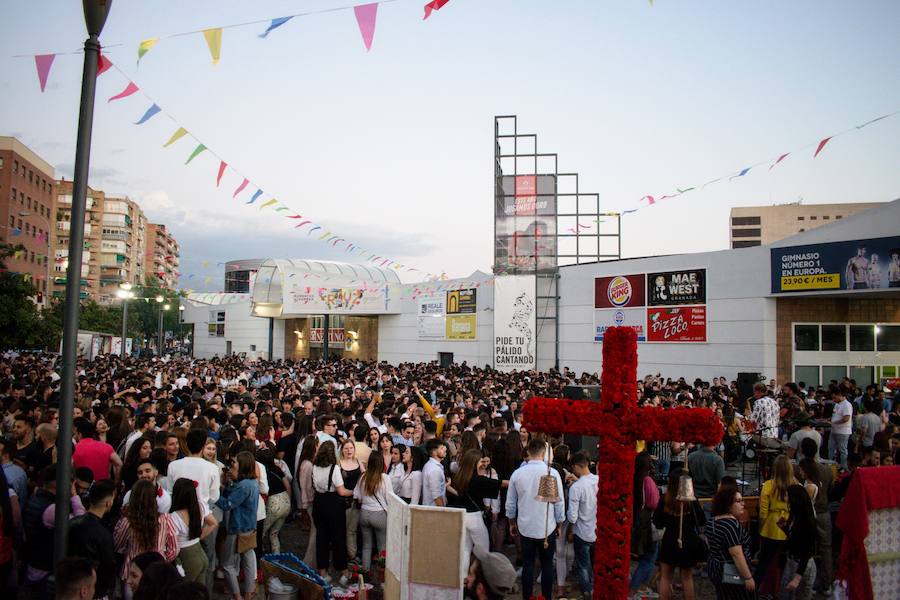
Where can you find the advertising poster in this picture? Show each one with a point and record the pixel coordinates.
(619, 291)
(676, 288)
(461, 302)
(430, 318)
(349, 300)
(676, 324)
(636, 318)
(525, 223)
(871, 264)
(461, 327)
(515, 323)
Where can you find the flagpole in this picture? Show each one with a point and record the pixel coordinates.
(95, 13)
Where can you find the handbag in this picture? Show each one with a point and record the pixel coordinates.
(246, 542)
(730, 573)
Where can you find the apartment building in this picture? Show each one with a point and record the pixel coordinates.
(90, 257)
(27, 206)
(758, 225)
(162, 255)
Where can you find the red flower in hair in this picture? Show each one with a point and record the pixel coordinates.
(159, 492)
(195, 483)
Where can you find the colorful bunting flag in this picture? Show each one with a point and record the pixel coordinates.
(222, 165)
(240, 188)
(179, 133)
(281, 208)
(650, 200)
(267, 203)
(103, 64)
(298, 226)
(741, 174)
(255, 196)
(43, 62)
(822, 145)
(295, 216)
(432, 6)
(214, 42)
(365, 18)
(275, 24)
(149, 114)
(780, 158)
(875, 120)
(313, 229)
(129, 90)
(200, 148)
(144, 48)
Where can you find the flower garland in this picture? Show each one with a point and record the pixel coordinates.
(618, 423)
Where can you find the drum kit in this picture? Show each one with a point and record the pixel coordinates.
(760, 451)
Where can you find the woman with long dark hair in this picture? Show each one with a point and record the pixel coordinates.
(646, 499)
(278, 504)
(372, 494)
(385, 448)
(139, 451)
(329, 513)
(469, 490)
(143, 529)
(192, 522)
(681, 545)
(409, 486)
(240, 497)
(729, 548)
(307, 494)
(351, 471)
(802, 535)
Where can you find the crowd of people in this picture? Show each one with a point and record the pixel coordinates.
(186, 471)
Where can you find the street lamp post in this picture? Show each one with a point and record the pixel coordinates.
(95, 13)
(162, 308)
(124, 293)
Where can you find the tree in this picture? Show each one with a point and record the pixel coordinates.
(18, 314)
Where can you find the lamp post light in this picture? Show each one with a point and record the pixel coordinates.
(95, 13)
(162, 309)
(125, 294)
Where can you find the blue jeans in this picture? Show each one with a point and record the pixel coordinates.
(584, 561)
(646, 563)
(534, 548)
(837, 444)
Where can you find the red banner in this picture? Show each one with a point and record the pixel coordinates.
(620, 291)
(676, 324)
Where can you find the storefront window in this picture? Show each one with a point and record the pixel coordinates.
(833, 373)
(888, 337)
(808, 374)
(806, 337)
(862, 338)
(834, 338)
(862, 375)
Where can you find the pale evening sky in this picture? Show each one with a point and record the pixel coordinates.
(393, 148)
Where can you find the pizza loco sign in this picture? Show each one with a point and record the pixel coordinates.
(660, 307)
(515, 323)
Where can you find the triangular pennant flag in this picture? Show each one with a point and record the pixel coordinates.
(302, 224)
(822, 145)
(147, 115)
(144, 48)
(275, 24)
(240, 188)
(179, 133)
(365, 18)
(780, 158)
(103, 64)
(267, 203)
(200, 148)
(874, 120)
(432, 6)
(313, 229)
(650, 200)
(295, 216)
(129, 90)
(741, 174)
(281, 208)
(255, 196)
(214, 41)
(43, 62)
(222, 165)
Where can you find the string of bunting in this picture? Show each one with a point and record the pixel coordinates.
(243, 184)
(648, 200)
(365, 15)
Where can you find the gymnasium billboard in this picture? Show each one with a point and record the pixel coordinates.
(869, 264)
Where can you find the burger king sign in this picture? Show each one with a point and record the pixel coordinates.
(620, 291)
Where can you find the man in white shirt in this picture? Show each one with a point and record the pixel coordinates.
(583, 517)
(147, 472)
(327, 429)
(434, 483)
(145, 424)
(208, 483)
(530, 518)
(841, 428)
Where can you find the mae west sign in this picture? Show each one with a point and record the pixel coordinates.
(515, 323)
